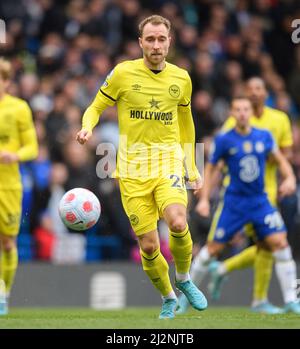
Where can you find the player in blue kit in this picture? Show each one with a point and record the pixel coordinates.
(245, 150)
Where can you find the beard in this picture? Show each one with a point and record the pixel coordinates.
(156, 58)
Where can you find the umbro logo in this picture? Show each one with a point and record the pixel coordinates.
(136, 87)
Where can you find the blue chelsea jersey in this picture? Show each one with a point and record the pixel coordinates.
(245, 157)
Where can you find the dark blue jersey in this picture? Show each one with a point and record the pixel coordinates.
(245, 157)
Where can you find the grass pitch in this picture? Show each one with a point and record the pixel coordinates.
(144, 318)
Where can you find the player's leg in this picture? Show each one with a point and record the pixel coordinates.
(219, 270)
(285, 267)
(143, 216)
(199, 268)
(243, 260)
(171, 198)
(272, 236)
(261, 260)
(157, 269)
(9, 260)
(264, 260)
(10, 213)
(181, 248)
(228, 222)
(154, 263)
(180, 240)
(263, 267)
(225, 223)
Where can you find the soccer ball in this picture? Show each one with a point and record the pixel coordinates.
(79, 209)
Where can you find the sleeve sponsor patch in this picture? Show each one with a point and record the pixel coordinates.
(110, 74)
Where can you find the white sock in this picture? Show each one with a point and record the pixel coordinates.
(257, 302)
(200, 265)
(286, 273)
(222, 269)
(285, 268)
(170, 295)
(182, 277)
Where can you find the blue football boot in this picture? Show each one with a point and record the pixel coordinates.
(183, 304)
(267, 308)
(216, 281)
(292, 307)
(195, 297)
(168, 309)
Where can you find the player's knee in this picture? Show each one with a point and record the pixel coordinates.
(149, 248)
(283, 254)
(214, 249)
(279, 245)
(7, 244)
(177, 224)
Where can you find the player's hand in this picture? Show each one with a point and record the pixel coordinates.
(196, 185)
(7, 157)
(83, 136)
(203, 208)
(287, 187)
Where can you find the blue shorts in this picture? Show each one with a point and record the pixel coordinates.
(239, 211)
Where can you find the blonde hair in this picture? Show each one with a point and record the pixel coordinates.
(5, 69)
(156, 20)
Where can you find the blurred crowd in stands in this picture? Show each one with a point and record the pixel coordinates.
(61, 52)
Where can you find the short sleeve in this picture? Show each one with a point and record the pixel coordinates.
(185, 101)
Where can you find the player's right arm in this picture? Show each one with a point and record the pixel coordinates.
(91, 118)
(286, 139)
(187, 136)
(203, 206)
(212, 168)
(288, 185)
(106, 96)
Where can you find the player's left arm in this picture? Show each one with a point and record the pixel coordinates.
(288, 185)
(287, 152)
(187, 137)
(28, 139)
(286, 139)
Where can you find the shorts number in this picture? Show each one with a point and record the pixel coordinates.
(249, 168)
(177, 181)
(273, 220)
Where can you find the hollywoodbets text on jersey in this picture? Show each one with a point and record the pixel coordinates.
(152, 115)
